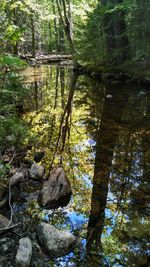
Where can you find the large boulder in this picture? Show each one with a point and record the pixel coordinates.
(24, 252)
(36, 171)
(56, 242)
(56, 192)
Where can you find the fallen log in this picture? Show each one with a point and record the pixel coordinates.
(53, 58)
(46, 58)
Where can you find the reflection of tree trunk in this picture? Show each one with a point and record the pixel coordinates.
(67, 112)
(36, 94)
(56, 88)
(62, 81)
(64, 122)
(53, 121)
(105, 142)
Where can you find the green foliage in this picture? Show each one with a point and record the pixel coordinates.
(11, 61)
(4, 169)
(12, 128)
(12, 131)
(92, 48)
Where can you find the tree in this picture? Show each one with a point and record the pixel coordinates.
(64, 10)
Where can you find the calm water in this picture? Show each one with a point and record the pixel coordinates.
(101, 133)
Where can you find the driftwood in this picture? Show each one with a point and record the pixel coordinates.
(56, 192)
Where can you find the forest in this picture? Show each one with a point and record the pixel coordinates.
(97, 33)
(74, 133)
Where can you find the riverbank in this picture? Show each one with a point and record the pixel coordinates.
(130, 72)
(137, 72)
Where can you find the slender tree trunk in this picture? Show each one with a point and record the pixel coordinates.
(55, 27)
(64, 11)
(33, 36)
(61, 42)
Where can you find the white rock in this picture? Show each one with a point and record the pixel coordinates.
(36, 171)
(56, 242)
(24, 253)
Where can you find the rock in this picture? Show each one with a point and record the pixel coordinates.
(6, 244)
(56, 192)
(27, 162)
(4, 222)
(4, 201)
(24, 252)
(17, 178)
(2, 191)
(56, 242)
(39, 156)
(109, 96)
(36, 171)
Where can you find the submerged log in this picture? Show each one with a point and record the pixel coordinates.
(56, 192)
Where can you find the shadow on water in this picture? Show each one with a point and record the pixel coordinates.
(101, 136)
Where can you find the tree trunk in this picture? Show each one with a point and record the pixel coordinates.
(64, 11)
(33, 36)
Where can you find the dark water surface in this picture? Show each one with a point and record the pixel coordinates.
(101, 134)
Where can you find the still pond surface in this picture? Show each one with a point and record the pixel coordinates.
(101, 136)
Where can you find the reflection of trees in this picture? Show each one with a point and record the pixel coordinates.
(106, 136)
(65, 124)
(129, 185)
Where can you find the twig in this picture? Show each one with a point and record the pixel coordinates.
(12, 158)
(75, 128)
(9, 227)
(11, 209)
(11, 213)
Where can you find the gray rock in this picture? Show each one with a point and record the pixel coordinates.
(2, 191)
(17, 178)
(4, 201)
(56, 242)
(36, 171)
(56, 192)
(24, 252)
(6, 244)
(4, 222)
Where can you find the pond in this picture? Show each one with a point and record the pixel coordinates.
(100, 134)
